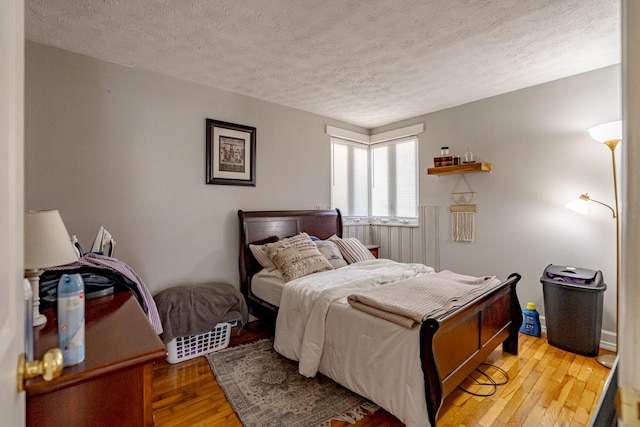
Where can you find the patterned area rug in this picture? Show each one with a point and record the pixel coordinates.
(265, 389)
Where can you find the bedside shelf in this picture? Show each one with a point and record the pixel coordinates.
(464, 168)
(374, 249)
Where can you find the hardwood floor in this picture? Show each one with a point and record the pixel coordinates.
(547, 387)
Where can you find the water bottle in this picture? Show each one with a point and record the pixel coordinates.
(71, 318)
(530, 321)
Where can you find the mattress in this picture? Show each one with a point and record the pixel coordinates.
(268, 286)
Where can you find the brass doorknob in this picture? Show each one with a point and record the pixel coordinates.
(49, 367)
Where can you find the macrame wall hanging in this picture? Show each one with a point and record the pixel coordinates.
(463, 214)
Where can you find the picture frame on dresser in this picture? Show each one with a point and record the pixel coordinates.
(231, 153)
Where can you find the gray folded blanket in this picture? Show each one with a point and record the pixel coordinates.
(188, 310)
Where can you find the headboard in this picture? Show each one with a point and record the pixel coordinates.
(256, 226)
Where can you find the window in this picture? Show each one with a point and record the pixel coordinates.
(350, 176)
(375, 180)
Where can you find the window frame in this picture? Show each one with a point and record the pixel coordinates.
(333, 173)
(395, 143)
(371, 146)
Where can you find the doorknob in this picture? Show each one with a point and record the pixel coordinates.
(49, 367)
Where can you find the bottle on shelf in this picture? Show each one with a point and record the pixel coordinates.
(468, 156)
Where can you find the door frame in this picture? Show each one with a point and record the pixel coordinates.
(12, 303)
(629, 340)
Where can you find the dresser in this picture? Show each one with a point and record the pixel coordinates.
(113, 386)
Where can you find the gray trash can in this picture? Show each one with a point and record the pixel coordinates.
(573, 299)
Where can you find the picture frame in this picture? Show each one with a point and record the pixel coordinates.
(231, 153)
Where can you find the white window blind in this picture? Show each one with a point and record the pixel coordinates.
(379, 180)
(350, 177)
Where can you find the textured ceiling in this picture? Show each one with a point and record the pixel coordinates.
(369, 63)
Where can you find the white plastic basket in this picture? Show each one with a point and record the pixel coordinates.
(184, 348)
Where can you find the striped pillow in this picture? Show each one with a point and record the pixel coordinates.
(259, 252)
(297, 256)
(353, 250)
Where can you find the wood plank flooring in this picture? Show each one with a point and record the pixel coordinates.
(547, 387)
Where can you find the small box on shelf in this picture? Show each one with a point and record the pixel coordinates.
(443, 161)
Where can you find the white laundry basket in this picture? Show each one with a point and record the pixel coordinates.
(184, 348)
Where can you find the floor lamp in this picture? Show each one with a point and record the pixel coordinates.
(609, 134)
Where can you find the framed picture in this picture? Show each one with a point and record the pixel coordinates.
(231, 154)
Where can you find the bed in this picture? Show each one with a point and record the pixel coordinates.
(443, 351)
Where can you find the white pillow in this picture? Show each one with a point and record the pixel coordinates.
(331, 252)
(297, 256)
(353, 250)
(260, 254)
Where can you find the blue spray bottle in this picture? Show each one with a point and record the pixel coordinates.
(530, 320)
(71, 318)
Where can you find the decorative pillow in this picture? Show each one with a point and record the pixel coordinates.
(259, 252)
(353, 250)
(297, 256)
(331, 253)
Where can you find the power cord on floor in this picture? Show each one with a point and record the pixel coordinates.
(491, 382)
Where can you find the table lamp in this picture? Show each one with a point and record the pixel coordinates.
(46, 244)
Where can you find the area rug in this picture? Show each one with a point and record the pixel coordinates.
(265, 389)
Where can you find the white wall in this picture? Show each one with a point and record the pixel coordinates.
(542, 157)
(114, 146)
(119, 147)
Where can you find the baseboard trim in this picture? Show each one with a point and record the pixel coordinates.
(607, 338)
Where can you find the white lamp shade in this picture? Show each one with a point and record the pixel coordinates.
(607, 131)
(46, 240)
(579, 205)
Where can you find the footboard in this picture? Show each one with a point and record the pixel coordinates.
(452, 347)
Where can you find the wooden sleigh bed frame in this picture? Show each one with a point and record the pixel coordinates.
(450, 348)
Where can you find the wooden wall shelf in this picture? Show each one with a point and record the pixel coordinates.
(464, 168)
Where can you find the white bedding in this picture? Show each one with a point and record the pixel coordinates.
(268, 285)
(375, 358)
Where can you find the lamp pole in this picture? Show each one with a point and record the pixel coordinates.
(609, 359)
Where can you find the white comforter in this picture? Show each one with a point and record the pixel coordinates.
(371, 356)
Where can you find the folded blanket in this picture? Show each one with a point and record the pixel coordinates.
(189, 310)
(411, 301)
